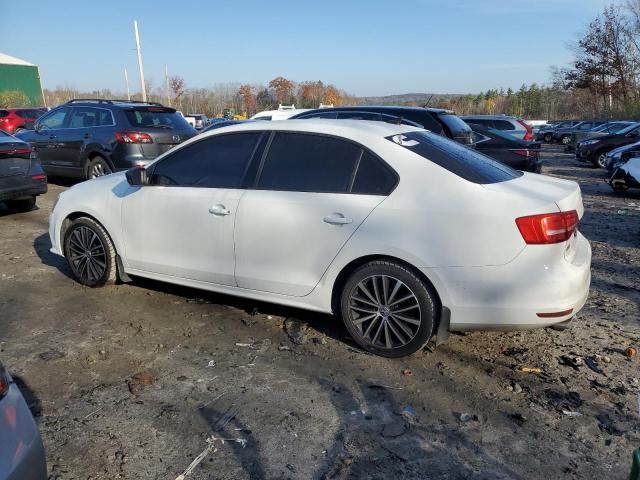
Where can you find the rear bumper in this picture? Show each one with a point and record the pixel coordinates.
(22, 455)
(23, 191)
(511, 296)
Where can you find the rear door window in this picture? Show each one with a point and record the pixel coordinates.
(458, 159)
(219, 161)
(87, 117)
(4, 113)
(480, 121)
(308, 163)
(503, 125)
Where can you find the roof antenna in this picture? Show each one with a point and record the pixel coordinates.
(428, 101)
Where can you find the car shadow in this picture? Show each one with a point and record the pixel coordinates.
(5, 211)
(328, 325)
(41, 245)
(33, 402)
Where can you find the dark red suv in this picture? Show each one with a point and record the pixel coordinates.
(13, 120)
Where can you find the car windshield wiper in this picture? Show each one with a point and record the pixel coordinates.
(158, 126)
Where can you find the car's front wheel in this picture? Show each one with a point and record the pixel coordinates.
(565, 139)
(387, 309)
(22, 205)
(600, 159)
(90, 253)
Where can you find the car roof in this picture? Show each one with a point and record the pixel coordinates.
(382, 108)
(489, 117)
(343, 128)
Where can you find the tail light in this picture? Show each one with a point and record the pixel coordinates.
(133, 137)
(528, 137)
(39, 177)
(524, 152)
(4, 381)
(548, 228)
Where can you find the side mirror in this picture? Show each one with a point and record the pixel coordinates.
(137, 176)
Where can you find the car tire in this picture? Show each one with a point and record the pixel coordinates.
(548, 137)
(97, 167)
(565, 139)
(90, 253)
(599, 158)
(371, 301)
(22, 205)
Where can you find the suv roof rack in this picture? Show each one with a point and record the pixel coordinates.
(89, 100)
(286, 107)
(111, 102)
(155, 104)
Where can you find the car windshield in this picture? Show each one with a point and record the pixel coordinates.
(629, 129)
(156, 118)
(464, 162)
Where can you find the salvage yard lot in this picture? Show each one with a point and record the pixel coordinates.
(129, 381)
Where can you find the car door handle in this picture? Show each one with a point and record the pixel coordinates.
(52, 137)
(86, 135)
(220, 210)
(337, 219)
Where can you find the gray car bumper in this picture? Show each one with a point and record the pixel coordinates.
(21, 451)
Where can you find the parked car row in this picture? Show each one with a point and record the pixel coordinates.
(87, 138)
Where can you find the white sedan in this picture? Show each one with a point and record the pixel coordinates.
(403, 233)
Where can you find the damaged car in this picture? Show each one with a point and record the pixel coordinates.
(401, 232)
(626, 176)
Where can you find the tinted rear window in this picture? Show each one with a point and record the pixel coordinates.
(455, 124)
(458, 159)
(149, 118)
(503, 125)
(3, 113)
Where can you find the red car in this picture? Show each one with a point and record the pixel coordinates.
(13, 120)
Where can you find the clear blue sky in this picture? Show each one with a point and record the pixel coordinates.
(367, 47)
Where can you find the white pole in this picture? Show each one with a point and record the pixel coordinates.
(126, 80)
(166, 84)
(143, 89)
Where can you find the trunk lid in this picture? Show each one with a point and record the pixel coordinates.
(15, 161)
(543, 191)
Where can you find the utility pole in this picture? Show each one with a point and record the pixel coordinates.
(166, 84)
(126, 80)
(143, 89)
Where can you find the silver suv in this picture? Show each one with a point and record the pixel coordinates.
(511, 125)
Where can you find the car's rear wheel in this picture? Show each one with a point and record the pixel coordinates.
(22, 205)
(90, 253)
(387, 309)
(98, 167)
(18, 130)
(548, 137)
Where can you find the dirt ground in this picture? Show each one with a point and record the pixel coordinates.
(131, 380)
